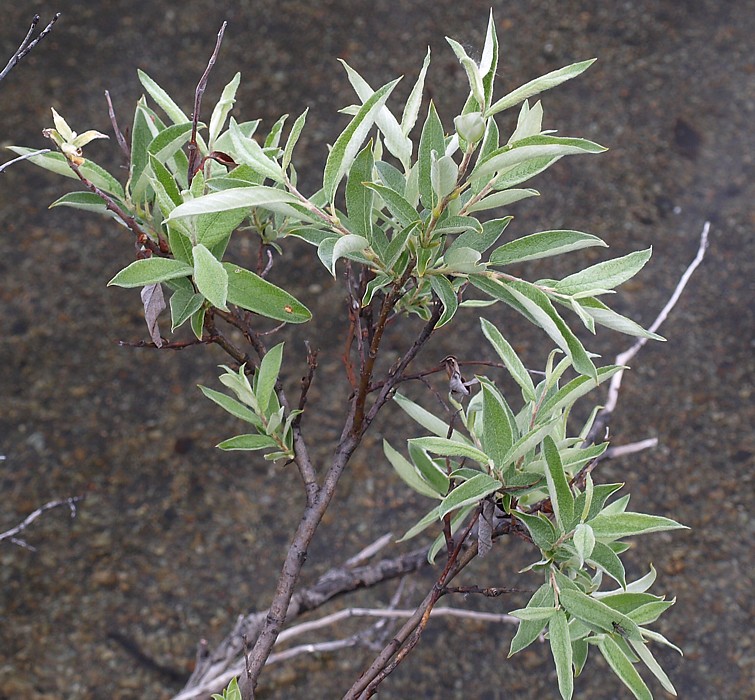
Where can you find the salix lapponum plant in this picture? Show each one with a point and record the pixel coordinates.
(419, 224)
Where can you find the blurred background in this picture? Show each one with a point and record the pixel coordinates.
(175, 538)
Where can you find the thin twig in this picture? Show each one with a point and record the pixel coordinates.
(201, 87)
(13, 533)
(623, 358)
(40, 152)
(28, 43)
(119, 137)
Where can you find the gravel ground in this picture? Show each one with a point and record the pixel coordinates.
(175, 539)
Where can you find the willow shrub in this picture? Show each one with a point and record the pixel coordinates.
(418, 227)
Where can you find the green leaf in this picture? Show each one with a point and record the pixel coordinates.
(534, 613)
(143, 131)
(561, 496)
(163, 100)
(150, 271)
(517, 174)
(558, 632)
(606, 559)
(472, 70)
(541, 530)
(584, 542)
(87, 201)
(293, 138)
(164, 145)
(347, 145)
(430, 470)
(462, 261)
(248, 442)
(232, 406)
(343, 246)
(447, 294)
(529, 630)
(222, 108)
(596, 613)
(431, 139)
(542, 245)
(396, 141)
(197, 323)
(470, 492)
(407, 471)
(267, 375)
(605, 316)
(423, 523)
(183, 305)
(489, 60)
(457, 520)
(513, 364)
(538, 85)
(605, 275)
(623, 668)
(210, 277)
(249, 152)
(450, 448)
(502, 199)
(411, 109)
(427, 420)
(482, 240)
(57, 163)
(533, 147)
(618, 525)
(215, 227)
(251, 292)
(536, 306)
(358, 197)
(165, 178)
(526, 443)
(574, 389)
(498, 424)
(404, 212)
(270, 198)
(648, 659)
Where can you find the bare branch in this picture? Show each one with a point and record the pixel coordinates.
(28, 43)
(13, 533)
(40, 152)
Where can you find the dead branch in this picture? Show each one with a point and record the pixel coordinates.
(28, 43)
(12, 534)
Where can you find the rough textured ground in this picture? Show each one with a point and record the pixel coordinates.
(175, 539)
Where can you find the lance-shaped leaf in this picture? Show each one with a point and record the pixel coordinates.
(489, 60)
(447, 295)
(472, 70)
(251, 292)
(502, 199)
(57, 163)
(605, 558)
(293, 138)
(395, 140)
(248, 442)
(332, 249)
(222, 108)
(605, 275)
(267, 375)
(411, 109)
(558, 632)
(529, 630)
(404, 212)
(542, 312)
(183, 305)
(641, 649)
(470, 492)
(163, 100)
(576, 388)
(623, 667)
(607, 317)
(526, 443)
(358, 196)
(210, 277)
(450, 448)
(543, 245)
(561, 496)
(597, 614)
(431, 139)
(539, 85)
(617, 525)
(150, 271)
(232, 406)
(541, 530)
(86, 201)
(427, 420)
(270, 198)
(584, 541)
(513, 364)
(498, 424)
(249, 152)
(164, 145)
(533, 147)
(408, 472)
(347, 145)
